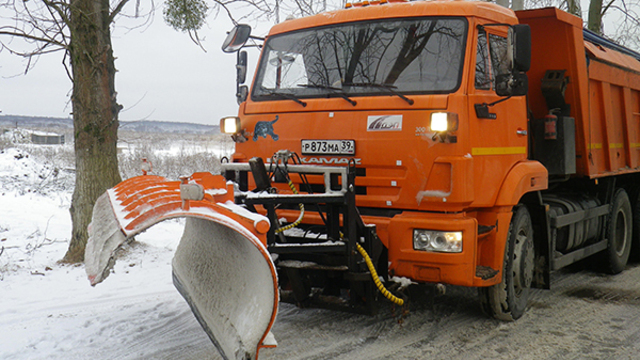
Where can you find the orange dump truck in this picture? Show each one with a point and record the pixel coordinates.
(443, 142)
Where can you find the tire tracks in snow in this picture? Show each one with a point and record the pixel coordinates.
(586, 315)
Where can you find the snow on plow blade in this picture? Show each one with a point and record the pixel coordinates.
(221, 266)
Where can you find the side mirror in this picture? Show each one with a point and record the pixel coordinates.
(242, 94)
(236, 38)
(519, 42)
(241, 67)
(516, 84)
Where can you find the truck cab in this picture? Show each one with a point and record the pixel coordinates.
(426, 100)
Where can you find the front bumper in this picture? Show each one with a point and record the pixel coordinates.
(435, 267)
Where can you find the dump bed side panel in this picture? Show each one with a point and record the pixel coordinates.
(613, 134)
(603, 92)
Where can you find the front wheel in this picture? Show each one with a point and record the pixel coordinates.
(508, 300)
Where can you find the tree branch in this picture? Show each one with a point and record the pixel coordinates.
(58, 7)
(628, 16)
(607, 7)
(117, 10)
(31, 37)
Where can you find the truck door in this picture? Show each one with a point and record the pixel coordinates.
(497, 131)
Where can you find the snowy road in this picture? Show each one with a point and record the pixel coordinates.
(586, 315)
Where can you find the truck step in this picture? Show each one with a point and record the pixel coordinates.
(306, 248)
(309, 265)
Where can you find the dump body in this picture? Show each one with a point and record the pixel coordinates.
(603, 92)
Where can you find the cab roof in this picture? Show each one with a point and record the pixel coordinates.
(400, 9)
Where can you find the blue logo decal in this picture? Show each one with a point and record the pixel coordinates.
(264, 128)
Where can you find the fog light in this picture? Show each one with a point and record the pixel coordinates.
(437, 241)
(230, 125)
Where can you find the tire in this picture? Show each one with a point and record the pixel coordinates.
(619, 233)
(507, 301)
(635, 242)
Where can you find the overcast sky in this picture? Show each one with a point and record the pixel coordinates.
(162, 75)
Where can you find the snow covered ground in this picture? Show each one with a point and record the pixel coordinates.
(49, 310)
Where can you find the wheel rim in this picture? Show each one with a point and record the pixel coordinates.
(620, 233)
(522, 262)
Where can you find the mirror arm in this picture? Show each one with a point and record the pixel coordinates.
(251, 37)
(482, 110)
(497, 102)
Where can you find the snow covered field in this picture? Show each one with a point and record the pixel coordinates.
(49, 311)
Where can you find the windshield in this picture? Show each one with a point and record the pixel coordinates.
(411, 56)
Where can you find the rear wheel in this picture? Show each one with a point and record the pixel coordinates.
(619, 233)
(635, 246)
(508, 300)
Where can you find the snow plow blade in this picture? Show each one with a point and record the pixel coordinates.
(221, 266)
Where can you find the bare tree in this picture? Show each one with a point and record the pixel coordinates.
(625, 25)
(80, 29)
(595, 15)
(618, 20)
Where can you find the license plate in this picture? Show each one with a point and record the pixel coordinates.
(328, 147)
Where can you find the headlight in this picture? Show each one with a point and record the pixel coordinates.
(438, 241)
(444, 121)
(230, 125)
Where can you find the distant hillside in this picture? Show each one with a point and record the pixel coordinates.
(35, 122)
(169, 127)
(150, 126)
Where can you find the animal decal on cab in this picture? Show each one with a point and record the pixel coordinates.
(264, 128)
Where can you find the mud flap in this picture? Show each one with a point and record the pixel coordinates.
(221, 266)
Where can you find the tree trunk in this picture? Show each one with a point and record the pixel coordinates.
(517, 5)
(573, 7)
(504, 3)
(95, 115)
(595, 16)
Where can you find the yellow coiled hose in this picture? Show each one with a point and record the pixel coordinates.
(374, 275)
(299, 220)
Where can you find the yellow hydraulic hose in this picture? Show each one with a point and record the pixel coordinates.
(374, 275)
(299, 220)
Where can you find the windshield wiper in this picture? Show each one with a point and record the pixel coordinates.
(284, 95)
(388, 88)
(334, 90)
